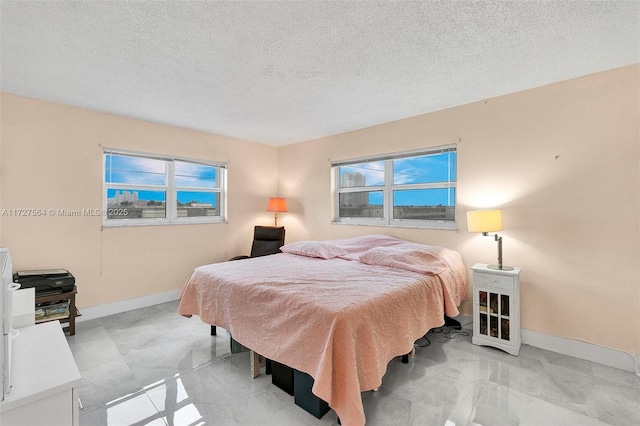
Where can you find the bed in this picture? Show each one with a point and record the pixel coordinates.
(338, 310)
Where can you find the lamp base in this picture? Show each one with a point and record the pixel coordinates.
(500, 268)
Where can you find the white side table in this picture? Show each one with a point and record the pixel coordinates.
(496, 308)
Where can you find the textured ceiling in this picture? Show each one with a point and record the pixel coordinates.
(284, 72)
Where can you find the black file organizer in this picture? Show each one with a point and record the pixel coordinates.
(282, 377)
(304, 398)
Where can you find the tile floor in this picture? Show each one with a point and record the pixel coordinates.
(152, 367)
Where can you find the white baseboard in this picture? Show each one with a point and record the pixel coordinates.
(99, 311)
(583, 350)
(575, 348)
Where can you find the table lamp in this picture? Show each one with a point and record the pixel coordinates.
(486, 221)
(276, 205)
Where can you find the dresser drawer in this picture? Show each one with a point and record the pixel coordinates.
(493, 281)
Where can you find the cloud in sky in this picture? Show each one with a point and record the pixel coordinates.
(373, 173)
(431, 168)
(135, 170)
(425, 169)
(150, 171)
(195, 175)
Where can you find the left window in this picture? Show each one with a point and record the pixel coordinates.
(146, 189)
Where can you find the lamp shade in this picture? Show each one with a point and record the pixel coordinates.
(484, 220)
(277, 205)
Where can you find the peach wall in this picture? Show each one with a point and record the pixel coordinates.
(562, 161)
(52, 158)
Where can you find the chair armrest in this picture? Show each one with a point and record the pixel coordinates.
(239, 258)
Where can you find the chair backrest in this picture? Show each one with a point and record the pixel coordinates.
(267, 240)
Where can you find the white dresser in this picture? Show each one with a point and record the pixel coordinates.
(496, 308)
(45, 380)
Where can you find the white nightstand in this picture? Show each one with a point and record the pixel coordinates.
(496, 308)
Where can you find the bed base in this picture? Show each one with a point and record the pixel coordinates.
(257, 362)
(301, 386)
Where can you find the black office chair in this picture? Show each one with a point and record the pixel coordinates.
(266, 240)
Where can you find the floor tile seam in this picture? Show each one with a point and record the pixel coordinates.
(549, 366)
(570, 404)
(160, 412)
(131, 325)
(86, 410)
(143, 391)
(125, 348)
(589, 390)
(140, 330)
(77, 350)
(580, 369)
(131, 328)
(129, 356)
(174, 374)
(139, 387)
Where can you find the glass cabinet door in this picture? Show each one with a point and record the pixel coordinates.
(482, 304)
(504, 314)
(494, 310)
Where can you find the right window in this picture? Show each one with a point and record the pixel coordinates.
(412, 189)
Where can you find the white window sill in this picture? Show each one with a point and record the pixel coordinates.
(125, 223)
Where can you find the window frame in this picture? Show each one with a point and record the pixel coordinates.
(388, 189)
(170, 188)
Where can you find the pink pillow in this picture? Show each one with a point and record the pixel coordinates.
(356, 246)
(313, 249)
(412, 257)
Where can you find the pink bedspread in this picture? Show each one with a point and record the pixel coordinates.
(341, 321)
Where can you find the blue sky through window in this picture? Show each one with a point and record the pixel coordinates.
(133, 170)
(185, 197)
(431, 168)
(195, 175)
(424, 197)
(364, 174)
(417, 197)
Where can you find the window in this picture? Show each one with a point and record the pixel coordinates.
(415, 189)
(143, 189)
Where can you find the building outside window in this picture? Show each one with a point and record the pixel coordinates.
(145, 189)
(412, 189)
